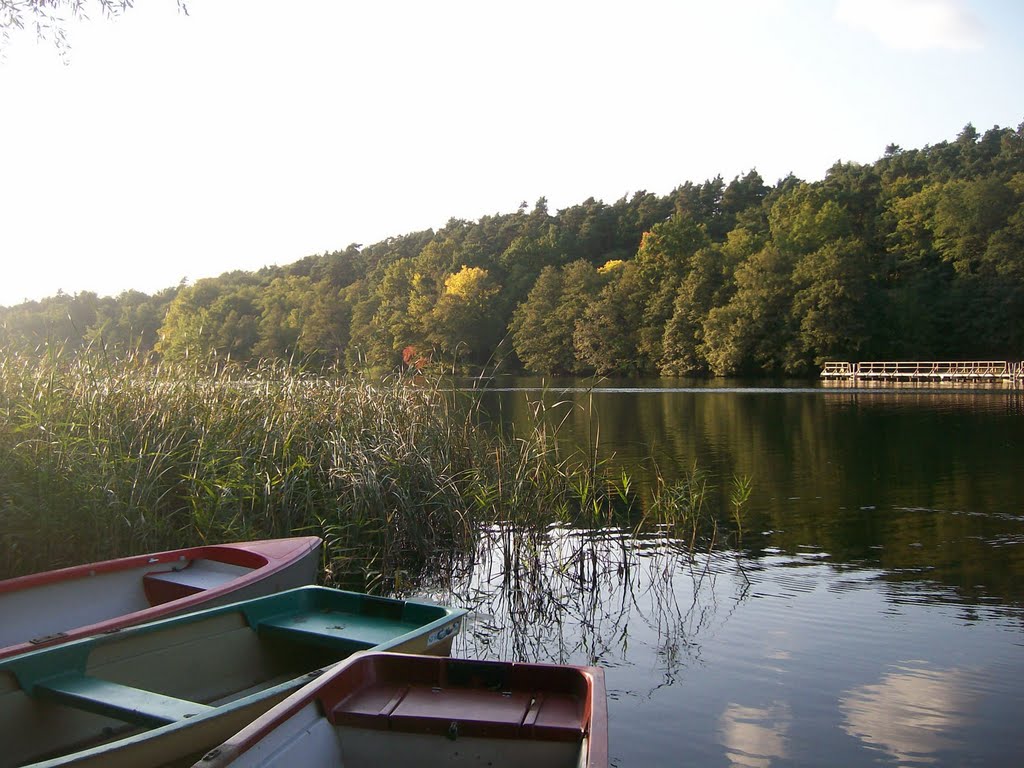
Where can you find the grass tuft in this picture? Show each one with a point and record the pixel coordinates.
(101, 458)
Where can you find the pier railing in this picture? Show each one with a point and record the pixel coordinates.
(954, 370)
(838, 370)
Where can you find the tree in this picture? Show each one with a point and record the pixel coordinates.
(702, 203)
(326, 330)
(132, 321)
(661, 262)
(580, 286)
(967, 214)
(49, 18)
(542, 326)
(391, 327)
(833, 300)
(605, 337)
(462, 325)
(524, 260)
(703, 289)
(218, 315)
(539, 342)
(743, 204)
(805, 218)
(917, 283)
(637, 215)
(1004, 270)
(341, 268)
(283, 305)
(588, 231)
(918, 255)
(910, 241)
(184, 332)
(754, 330)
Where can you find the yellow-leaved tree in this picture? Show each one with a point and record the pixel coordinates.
(466, 326)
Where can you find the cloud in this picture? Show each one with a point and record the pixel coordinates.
(915, 25)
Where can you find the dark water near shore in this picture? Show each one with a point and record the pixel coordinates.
(873, 613)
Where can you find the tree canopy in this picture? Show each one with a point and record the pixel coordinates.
(917, 255)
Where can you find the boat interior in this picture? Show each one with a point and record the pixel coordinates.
(383, 709)
(92, 596)
(60, 700)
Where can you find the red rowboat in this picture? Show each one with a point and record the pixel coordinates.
(376, 709)
(53, 607)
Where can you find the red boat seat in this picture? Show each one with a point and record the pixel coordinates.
(458, 712)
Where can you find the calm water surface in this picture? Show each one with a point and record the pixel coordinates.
(871, 616)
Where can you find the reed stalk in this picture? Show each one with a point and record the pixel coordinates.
(101, 458)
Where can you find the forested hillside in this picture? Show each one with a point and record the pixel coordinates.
(919, 255)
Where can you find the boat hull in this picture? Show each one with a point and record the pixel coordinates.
(165, 692)
(46, 609)
(380, 709)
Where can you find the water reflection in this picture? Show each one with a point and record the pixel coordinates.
(896, 479)
(912, 713)
(724, 660)
(754, 736)
(570, 595)
(883, 526)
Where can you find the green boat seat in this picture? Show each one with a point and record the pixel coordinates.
(132, 705)
(362, 630)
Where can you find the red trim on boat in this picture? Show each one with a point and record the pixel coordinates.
(598, 702)
(265, 558)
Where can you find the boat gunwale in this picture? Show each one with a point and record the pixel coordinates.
(266, 558)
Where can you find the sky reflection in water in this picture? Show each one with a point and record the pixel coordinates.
(912, 712)
(874, 615)
(754, 663)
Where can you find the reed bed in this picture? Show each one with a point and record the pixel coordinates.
(103, 457)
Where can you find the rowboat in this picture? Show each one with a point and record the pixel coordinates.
(166, 692)
(44, 609)
(378, 709)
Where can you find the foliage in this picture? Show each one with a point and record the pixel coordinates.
(918, 255)
(103, 457)
(48, 18)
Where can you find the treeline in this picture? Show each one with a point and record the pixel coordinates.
(918, 255)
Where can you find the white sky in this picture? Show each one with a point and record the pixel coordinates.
(254, 132)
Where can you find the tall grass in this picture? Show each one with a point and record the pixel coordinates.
(100, 458)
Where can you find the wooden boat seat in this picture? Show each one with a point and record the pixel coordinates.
(455, 712)
(197, 576)
(132, 705)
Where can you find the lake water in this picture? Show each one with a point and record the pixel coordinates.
(871, 615)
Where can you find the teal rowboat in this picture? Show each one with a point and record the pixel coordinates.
(164, 693)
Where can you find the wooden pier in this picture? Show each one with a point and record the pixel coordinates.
(958, 370)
